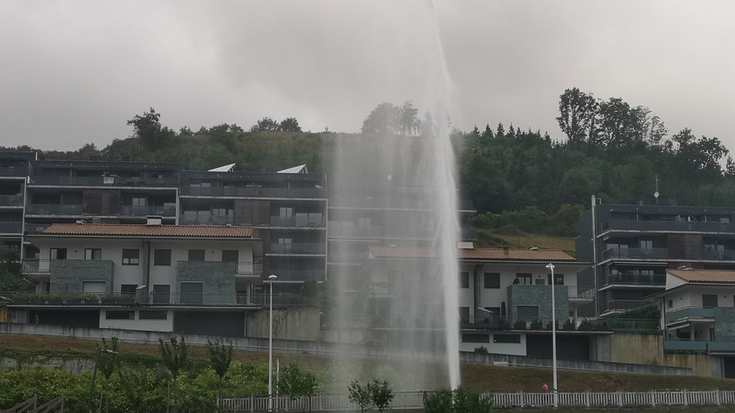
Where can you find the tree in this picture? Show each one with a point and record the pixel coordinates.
(220, 356)
(439, 401)
(381, 393)
(462, 400)
(576, 115)
(295, 383)
(619, 123)
(176, 356)
(383, 120)
(109, 363)
(408, 121)
(149, 129)
(290, 125)
(265, 125)
(360, 395)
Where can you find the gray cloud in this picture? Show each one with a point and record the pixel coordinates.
(73, 72)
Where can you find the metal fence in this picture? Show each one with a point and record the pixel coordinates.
(415, 400)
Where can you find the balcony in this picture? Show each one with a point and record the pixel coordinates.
(105, 181)
(298, 275)
(667, 226)
(298, 248)
(280, 300)
(205, 219)
(11, 227)
(685, 345)
(636, 253)
(13, 171)
(299, 221)
(54, 209)
(142, 211)
(249, 268)
(31, 266)
(624, 305)
(348, 229)
(11, 200)
(483, 322)
(70, 298)
(580, 292)
(719, 255)
(636, 279)
(233, 191)
(398, 201)
(689, 313)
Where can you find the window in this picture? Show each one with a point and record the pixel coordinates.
(507, 338)
(523, 278)
(191, 292)
(119, 315)
(57, 254)
(161, 294)
(284, 212)
(647, 244)
(139, 202)
(219, 212)
(475, 338)
(152, 315)
(494, 310)
(93, 254)
(230, 255)
(130, 257)
(528, 312)
(558, 279)
(128, 289)
(162, 257)
(492, 280)
(196, 255)
(709, 300)
(464, 280)
(670, 304)
(94, 287)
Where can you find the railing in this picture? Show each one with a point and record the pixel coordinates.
(298, 248)
(625, 324)
(636, 279)
(281, 300)
(11, 200)
(11, 227)
(668, 226)
(190, 219)
(689, 312)
(24, 407)
(580, 292)
(298, 275)
(401, 201)
(54, 209)
(625, 305)
(70, 298)
(415, 400)
(141, 211)
(103, 181)
(300, 221)
(249, 268)
(255, 192)
(13, 171)
(349, 229)
(636, 253)
(35, 228)
(700, 346)
(726, 255)
(31, 266)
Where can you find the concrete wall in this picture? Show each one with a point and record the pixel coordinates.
(648, 349)
(294, 324)
(218, 279)
(70, 275)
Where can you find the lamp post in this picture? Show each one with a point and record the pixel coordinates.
(272, 278)
(553, 334)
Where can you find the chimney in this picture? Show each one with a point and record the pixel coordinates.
(154, 220)
(506, 253)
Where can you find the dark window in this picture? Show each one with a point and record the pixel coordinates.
(558, 279)
(528, 312)
(161, 293)
(120, 315)
(475, 338)
(128, 289)
(506, 338)
(93, 254)
(524, 279)
(58, 254)
(152, 315)
(709, 300)
(196, 255)
(130, 257)
(492, 280)
(162, 257)
(464, 312)
(494, 310)
(670, 304)
(191, 292)
(464, 280)
(230, 255)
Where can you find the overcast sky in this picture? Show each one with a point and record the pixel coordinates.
(73, 72)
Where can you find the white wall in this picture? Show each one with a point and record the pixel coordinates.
(691, 296)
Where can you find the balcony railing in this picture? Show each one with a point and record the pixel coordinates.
(685, 345)
(297, 275)
(33, 266)
(348, 229)
(299, 221)
(255, 192)
(70, 298)
(103, 181)
(298, 248)
(141, 211)
(668, 226)
(11, 200)
(636, 253)
(687, 313)
(625, 305)
(636, 279)
(580, 292)
(191, 219)
(249, 268)
(54, 209)
(13, 171)
(726, 255)
(281, 300)
(11, 227)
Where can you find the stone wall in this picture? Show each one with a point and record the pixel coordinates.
(217, 277)
(69, 275)
(540, 296)
(724, 323)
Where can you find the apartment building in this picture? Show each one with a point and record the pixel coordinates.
(632, 246)
(14, 170)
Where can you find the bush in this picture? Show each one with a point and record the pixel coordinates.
(463, 400)
(481, 350)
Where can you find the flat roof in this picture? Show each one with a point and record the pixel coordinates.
(490, 254)
(139, 230)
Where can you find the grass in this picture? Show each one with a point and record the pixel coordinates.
(495, 239)
(485, 378)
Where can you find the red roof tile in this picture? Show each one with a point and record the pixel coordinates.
(704, 276)
(473, 254)
(133, 230)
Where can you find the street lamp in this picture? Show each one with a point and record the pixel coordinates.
(272, 278)
(553, 334)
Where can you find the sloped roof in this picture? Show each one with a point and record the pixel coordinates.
(134, 230)
(473, 254)
(704, 276)
(301, 169)
(224, 168)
